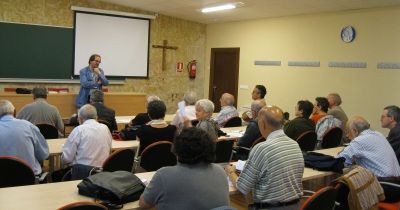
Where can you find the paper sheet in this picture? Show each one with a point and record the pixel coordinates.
(181, 106)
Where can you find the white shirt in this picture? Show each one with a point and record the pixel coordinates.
(88, 144)
(190, 112)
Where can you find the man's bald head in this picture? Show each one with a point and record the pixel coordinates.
(270, 118)
(227, 99)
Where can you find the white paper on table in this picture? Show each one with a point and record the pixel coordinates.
(240, 165)
(181, 106)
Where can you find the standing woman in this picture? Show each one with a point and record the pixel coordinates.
(91, 77)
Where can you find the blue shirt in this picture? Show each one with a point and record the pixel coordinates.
(23, 140)
(372, 151)
(88, 80)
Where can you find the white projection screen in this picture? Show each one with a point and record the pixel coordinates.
(122, 42)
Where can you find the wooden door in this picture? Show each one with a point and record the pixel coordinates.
(224, 73)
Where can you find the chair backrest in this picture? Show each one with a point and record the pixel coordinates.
(194, 122)
(332, 138)
(341, 201)
(233, 122)
(259, 140)
(15, 172)
(120, 160)
(322, 199)
(83, 205)
(157, 155)
(223, 151)
(105, 122)
(48, 131)
(307, 140)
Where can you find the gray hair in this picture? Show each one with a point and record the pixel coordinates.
(39, 92)
(6, 107)
(206, 105)
(336, 97)
(359, 123)
(153, 98)
(87, 112)
(96, 95)
(190, 98)
(393, 111)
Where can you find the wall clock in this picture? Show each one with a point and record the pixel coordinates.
(348, 34)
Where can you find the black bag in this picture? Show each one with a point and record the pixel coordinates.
(23, 91)
(323, 162)
(116, 187)
(129, 133)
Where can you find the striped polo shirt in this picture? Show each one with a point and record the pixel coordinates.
(274, 170)
(372, 151)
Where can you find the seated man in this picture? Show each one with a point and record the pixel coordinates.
(103, 112)
(88, 145)
(190, 112)
(41, 112)
(275, 167)
(252, 132)
(302, 122)
(390, 119)
(227, 109)
(21, 138)
(195, 182)
(334, 108)
(369, 149)
(258, 93)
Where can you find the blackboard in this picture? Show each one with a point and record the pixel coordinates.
(34, 51)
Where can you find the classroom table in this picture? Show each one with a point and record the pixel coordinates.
(55, 149)
(53, 195)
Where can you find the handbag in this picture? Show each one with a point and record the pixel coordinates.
(323, 162)
(129, 133)
(114, 188)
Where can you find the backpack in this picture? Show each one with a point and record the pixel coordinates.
(116, 187)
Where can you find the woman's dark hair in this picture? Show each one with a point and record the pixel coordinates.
(323, 103)
(194, 145)
(262, 90)
(305, 106)
(156, 109)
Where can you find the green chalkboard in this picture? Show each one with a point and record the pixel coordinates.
(32, 51)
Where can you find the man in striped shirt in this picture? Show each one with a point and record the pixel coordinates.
(275, 167)
(369, 149)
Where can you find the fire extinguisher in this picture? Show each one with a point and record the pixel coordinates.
(192, 69)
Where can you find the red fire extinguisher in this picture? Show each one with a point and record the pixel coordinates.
(192, 69)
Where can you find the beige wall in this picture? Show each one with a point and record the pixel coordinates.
(317, 38)
(188, 36)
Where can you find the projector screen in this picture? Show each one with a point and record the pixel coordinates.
(122, 42)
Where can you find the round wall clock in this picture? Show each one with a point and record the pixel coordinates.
(348, 34)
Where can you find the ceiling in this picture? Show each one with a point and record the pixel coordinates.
(251, 9)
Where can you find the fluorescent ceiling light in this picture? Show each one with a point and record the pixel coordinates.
(218, 8)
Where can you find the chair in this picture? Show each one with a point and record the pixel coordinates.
(120, 160)
(157, 155)
(48, 131)
(233, 122)
(15, 172)
(223, 151)
(83, 205)
(392, 195)
(322, 199)
(194, 122)
(307, 140)
(105, 122)
(242, 153)
(332, 138)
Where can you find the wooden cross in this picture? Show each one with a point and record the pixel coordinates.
(164, 48)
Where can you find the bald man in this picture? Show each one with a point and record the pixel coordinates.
(227, 109)
(369, 149)
(275, 167)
